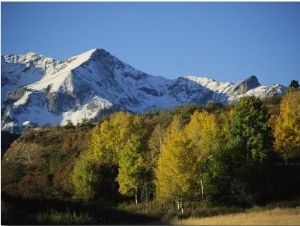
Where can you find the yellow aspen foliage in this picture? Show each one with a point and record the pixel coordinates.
(224, 120)
(287, 127)
(155, 144)
(102, 143)
(121, 123)
(176, 173)
(109, 137)
(108, 146)
(204, 133)
(124, 125)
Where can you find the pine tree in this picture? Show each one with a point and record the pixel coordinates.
(294, 85)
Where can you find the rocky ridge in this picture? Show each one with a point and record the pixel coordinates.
(37, 90)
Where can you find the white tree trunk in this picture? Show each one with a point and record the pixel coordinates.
(202, 188)
(181, 205)
(136, 196)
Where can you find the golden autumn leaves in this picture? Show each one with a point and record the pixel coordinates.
(287, 127)
(206, 154)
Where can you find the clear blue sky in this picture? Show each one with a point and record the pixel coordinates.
(223, 41)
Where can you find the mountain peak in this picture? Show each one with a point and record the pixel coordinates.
(94, 51)
(247, 84)
(252, 80)
(32, 54)
(101, 54)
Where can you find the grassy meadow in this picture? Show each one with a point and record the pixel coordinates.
(276, 216)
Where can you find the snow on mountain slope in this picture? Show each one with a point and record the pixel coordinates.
(21, 70)
(60, 77)
(37, 90)
(228, 92)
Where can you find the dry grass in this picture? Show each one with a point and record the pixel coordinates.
(277, 216)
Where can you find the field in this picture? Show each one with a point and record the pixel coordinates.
(277, 216)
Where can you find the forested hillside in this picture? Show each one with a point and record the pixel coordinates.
(243, 154)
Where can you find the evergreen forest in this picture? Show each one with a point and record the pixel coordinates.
(139, 168)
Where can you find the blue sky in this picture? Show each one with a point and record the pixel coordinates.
(223, 41)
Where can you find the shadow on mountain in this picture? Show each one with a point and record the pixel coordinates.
(189, 91)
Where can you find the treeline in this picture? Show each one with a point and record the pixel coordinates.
(243, 154)
(237, 155)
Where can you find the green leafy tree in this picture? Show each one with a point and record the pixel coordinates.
(250, 137)
(250, 144)
(219, 165)
(131, 168)
(84, 178)
(238, 169)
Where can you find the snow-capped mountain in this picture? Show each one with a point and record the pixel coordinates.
(38, 90)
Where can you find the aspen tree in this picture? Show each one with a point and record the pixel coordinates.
(177, 169)
(131, 168)
(84, 178)
(203, 132)
(287, 126)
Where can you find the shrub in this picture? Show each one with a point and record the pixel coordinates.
(12, 173)
(62, 218)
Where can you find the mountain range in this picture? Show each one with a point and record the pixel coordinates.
(38, 90)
